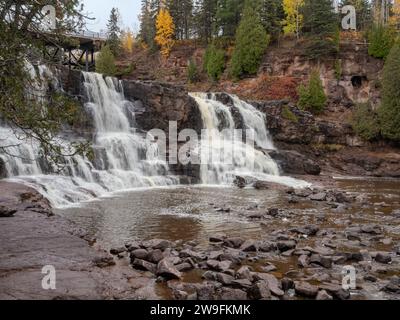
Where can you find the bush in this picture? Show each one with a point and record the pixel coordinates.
(105, 62)
(312, 97)
(381, 39)
(251, 42)
(365, 122)
(289, 115)
(214, 62)
(389, 112)
(193, 73)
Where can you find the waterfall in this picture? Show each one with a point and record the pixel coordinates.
(124, 159)
(245, 160)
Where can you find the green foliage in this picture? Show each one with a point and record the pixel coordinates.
(251, 43)
(320, 26)
(312, 97)
(389, 112)
(105, 62)
(228, 16)
(381, 39)
(193, 72)
(365, 122)
(289, 115)
(114, 32)
(272, 15)
(214, 62)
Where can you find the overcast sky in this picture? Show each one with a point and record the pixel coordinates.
(100, 10)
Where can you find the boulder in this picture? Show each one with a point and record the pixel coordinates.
(383, 257)
(166, 269)
(286, 245)
(235, 242)
(6, 212)
(305, 289)
(229, 294)
(144, 265)
(259, 290)
(292, 162)
(323, 295)
(139, 254)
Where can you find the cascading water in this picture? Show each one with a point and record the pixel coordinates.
(124, 158)
(244, 159)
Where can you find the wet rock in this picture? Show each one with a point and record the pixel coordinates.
(209, 275)
(132, 246)
(249, 246)
(371, 229)
(273, 212)
(185, 266)
(139, 254)
(267, 246)
(220, 237)
(229, 294)
(223, 278)
(157, 244)
(187, 253)
(393, 286)
(219, 265)
(235, 242)
(6, 212)
(303, 193)
(303, 261)
(323, 261)
(240, 182)
(144, 265)
(383, 257)
(205, 291)
(305, 289)
(259, 290)
(323, 295)
(286, 245)
(309, 230)
(103, 262)
(287, 284)
(226, 210)
(321, 196)
(336, 290)
(117, 251)
(215, 255)
(370, 278)
(273, 283)
(269, 267)
(166, 269)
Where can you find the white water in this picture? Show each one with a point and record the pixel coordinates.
(124, 158)
(244, 159)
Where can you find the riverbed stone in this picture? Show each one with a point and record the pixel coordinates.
(219, 265)
(249, 246)
(306, 289)
(259, 290)
(241, 284)
(303, 261)
(383, 257)
(323, 295)
(230, 294)
(223, 278)
(166, 269)
(6, 212)
(219, 237)
(321, 196)
(286, 245)
(139, 254)
(117, 251)
(144, 265)
(234, 242)
(323, 261)
(244, 272)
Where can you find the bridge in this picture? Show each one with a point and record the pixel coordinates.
(79, 52)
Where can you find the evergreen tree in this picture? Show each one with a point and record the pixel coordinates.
(251, 43)
(228, 16)
(389, 112)
(214, 62)
(312, 97)
(271, 15)
(105, 63)
(205, 18)
(148, 15)
(320, 26)
(182, 14)
(381, 39)
(114, 32)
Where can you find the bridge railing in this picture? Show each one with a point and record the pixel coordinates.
(90, 35)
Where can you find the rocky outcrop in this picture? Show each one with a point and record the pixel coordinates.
(3, 169)
(292, 162)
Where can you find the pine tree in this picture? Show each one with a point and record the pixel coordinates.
(150, 9)
(165, 32)
(251, 43)
(271, 15)
(320, 26)
(228, 16)
(389, 112)
(114, 32)
(294, 18)
(312, 97)
(105, 62)
(205, 19)
(182, 14)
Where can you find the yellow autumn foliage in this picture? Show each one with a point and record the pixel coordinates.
(128, 41)
(165, 29)
(294, 19)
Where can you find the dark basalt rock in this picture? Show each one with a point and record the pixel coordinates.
(292, 162)
(6, 212)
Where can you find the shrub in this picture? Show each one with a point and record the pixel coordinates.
(365, 122)
(193, 73)
(389, 112)
(105, 62)
(214, 62)
(289, 115)
(381, 39)
(312, 97)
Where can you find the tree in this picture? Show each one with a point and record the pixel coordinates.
(214, 62)
(381, 39)
(165, 32)
(271, 16)
(105, 63)
(228, 16)
(182, 15)
(148, 15)
(128, 41)
(320, 26)
(114, 32)
(251, 43)
(35, 118)
(389, 112)
(294, 18)
(205, 19)
(193, 72)
(365, 122)
(312, 97)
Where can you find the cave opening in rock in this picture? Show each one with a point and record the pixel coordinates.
(357, 81)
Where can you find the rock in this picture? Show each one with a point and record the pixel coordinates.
(187, 253)
(371, 229)
(303, 193)
(273, 212)
(303, 261)
(157, 244)
(226, 210)
(336, 290)
(393, 286)
(116, 251)
(209, 275)
(223, 278)
(103, 262)
(139, 254)
(293, 162)
(321, 196)
(233, 242)
(219, 266)
(205, 291)
(167, 270)
(241, 284)
(383, 257)
(6, 212)
(305, 289)
(323, 261)
(273, 283)
(309, 230)
(286, 245)
(267, 246)
(249, 246)
(323, 295)
(220, 237)
(240, 182)
(259, 290)
(244, 273)
(155, 256)
(287, 284)
(269, 267)
(185, 266)
(229, 294)
(144, 265)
